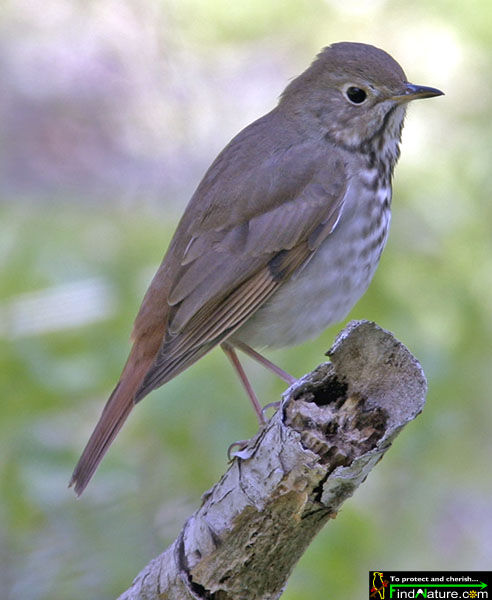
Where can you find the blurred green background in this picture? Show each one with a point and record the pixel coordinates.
(111, 111)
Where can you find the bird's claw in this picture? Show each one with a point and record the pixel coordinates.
(275, 405)
(241, 445)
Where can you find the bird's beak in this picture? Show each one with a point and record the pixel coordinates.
(412, 92)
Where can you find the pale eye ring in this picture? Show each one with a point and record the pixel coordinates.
(355, 94)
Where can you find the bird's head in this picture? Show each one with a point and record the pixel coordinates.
(355, 91)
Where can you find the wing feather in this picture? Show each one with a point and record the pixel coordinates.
(262, 209)
(209, 329)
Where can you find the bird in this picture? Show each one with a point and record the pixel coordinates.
(282, 235)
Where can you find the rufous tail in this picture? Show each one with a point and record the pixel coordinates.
(114, 414)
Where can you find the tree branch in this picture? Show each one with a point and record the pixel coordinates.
(333, 426)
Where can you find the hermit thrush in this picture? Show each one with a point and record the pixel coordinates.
(282, 235)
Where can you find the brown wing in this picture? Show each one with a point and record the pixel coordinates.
(227, 272)
(262, 209)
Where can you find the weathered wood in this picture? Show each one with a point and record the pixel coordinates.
(333, 426)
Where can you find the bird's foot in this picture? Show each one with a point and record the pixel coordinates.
(243, 444)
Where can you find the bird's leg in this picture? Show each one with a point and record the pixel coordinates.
(264, 361)
(232, 356)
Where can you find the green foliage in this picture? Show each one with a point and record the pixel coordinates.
(427, 505)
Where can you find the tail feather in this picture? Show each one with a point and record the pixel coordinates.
(114, 415)
(111, 421)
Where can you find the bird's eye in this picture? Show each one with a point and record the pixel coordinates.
(356, 95)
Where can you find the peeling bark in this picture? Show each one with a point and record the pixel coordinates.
(332, 427)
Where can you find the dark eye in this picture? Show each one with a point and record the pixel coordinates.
(356, 95)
